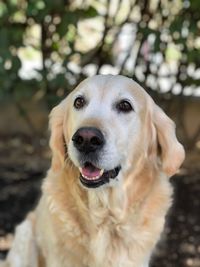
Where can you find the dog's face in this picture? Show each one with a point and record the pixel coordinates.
(107, 125)
(105, 122)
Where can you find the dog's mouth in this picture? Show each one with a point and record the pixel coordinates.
(93, 177)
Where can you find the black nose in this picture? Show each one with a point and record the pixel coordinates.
(88, 139)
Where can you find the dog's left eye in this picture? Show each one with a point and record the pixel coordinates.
(124, 106)
(79, 102)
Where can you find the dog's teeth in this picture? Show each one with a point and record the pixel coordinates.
(91, 178)
(101, 172)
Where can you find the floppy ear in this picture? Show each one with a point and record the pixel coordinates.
(172, 152)
(56, 118)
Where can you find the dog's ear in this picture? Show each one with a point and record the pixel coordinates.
(57, 146)
(172, 152)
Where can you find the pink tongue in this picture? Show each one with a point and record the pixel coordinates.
(90, 172)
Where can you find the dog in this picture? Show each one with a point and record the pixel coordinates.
(107, 191)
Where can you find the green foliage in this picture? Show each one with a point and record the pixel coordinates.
(57, 21)
(51, 28)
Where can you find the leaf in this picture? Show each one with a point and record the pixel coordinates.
(37, 10)
(3, 9)
(195, 5)
(4, 43)
(177, 24)
(16, 64)
(90, 12)
(157, 42)
(193, 56)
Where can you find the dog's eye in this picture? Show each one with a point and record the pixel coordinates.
(124, 106)
(79, 102)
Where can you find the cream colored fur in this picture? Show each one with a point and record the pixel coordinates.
(111, 226)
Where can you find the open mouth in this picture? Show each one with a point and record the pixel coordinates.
(92, 177)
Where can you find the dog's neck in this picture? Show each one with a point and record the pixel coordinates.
(110, 200)
(100, 203)
(128, 194)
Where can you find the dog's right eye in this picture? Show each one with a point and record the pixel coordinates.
(124, 106)
(79, 102)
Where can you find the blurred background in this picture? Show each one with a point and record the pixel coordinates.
(47, 47)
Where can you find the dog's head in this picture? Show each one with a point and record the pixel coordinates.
(106, 125)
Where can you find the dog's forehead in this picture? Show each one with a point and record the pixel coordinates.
(108, 86)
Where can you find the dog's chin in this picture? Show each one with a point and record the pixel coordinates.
(93, 177)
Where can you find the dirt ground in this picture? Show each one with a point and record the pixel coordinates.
(23, 164)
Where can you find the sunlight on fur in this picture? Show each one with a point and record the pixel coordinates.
(107, 192)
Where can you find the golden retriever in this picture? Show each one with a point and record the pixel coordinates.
(107, 192)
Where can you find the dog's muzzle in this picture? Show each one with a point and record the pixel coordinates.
(89, 142)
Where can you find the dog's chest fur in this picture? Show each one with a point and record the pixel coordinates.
(103, 230)
(104, 241)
